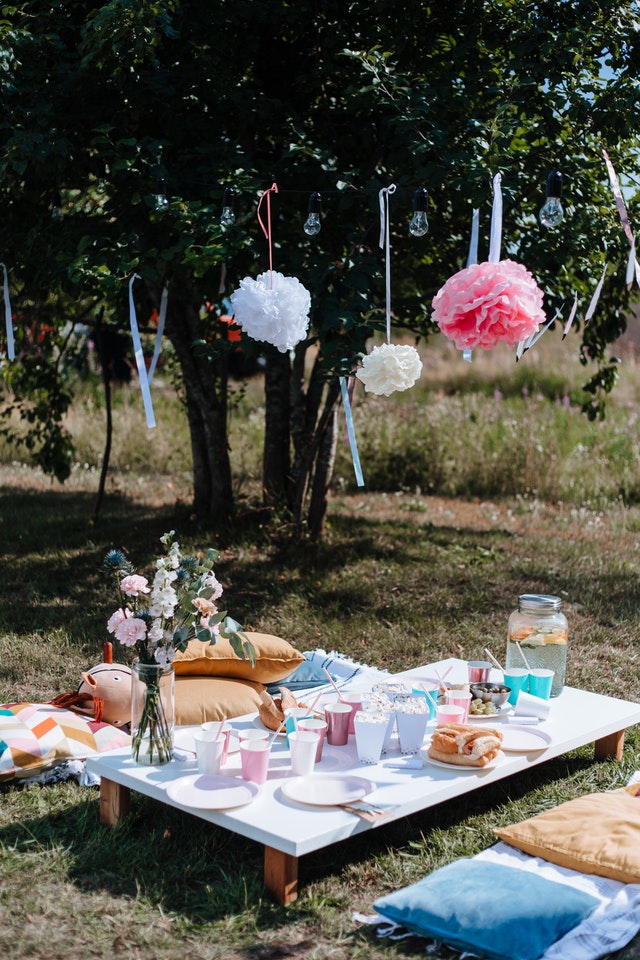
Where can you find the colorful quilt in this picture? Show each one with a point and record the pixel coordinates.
(37, 736)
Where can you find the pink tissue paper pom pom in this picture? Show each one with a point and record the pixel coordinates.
(489, 303)
(129, 631)
(390, 367)
(273, 308)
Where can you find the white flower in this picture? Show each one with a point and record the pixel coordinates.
(164, 656)
(212, 582)
(390, 367)
(273, 308)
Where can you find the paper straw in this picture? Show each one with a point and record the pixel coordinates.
(276, 732)
(524, 659)
(429, 697)
(443, 676)
(311, 708)
(493, 659)
(217, 736)
(333, 684)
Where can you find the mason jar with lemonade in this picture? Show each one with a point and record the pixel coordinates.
(541, 630)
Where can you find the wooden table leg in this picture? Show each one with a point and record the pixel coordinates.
(611, 747)
(281, 875)
(114, 801)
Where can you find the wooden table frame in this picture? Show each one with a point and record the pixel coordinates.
(290, 831)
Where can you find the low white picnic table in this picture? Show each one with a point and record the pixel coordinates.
(289, 829)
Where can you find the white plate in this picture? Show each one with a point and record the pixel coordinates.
(326, 791)
(208, 792)
(257, 722)
(498, 715)
(459, 768)
(183, 739)
(524, 740)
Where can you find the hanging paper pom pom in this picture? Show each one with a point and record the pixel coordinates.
(390, 367)
(273, 308)
(489, 303)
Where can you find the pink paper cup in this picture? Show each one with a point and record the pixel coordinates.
(209, 753)
(449, 713)
(355, 702)
(459, 698)
(479, 671)
(254, 758)
(252, 733)
(303, 745)
(337, 716)
(313, 725)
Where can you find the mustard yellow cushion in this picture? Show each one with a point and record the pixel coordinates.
(598, 834)
(199, 699)
(275, 659)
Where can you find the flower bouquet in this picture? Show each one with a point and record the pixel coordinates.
(157, 620)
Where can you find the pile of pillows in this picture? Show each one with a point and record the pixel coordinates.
(214, 683)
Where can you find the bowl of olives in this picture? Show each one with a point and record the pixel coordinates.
(496, 693)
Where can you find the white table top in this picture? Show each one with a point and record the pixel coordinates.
(576, 718)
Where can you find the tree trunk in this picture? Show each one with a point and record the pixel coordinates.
(276, 463)
(325, 461)
(205, 385)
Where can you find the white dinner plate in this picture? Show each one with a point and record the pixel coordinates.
(524, 739)
(459, 768)
(257, 722)
(327, 791)
(183, 739)
(498, 715)
(212, 792)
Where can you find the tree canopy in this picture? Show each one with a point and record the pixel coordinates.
(109, 105)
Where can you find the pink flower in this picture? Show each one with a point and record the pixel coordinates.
(130, 630)
(116, 619)
(134, 584)
(489, 303)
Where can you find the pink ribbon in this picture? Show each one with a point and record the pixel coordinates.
(267, 230)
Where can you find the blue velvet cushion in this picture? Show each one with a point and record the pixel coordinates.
(492, 910)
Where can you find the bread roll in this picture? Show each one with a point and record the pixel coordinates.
(464, 745)
(462, 759)
(271, 710)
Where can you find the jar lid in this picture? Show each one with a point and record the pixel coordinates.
(539, 603)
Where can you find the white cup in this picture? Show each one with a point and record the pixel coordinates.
(529, 706)
(303, 745)
(209, 753)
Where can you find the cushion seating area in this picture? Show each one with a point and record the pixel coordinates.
(200, 699)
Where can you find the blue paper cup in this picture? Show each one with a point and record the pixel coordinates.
(540, 683)
(518, 679)
(434, 693)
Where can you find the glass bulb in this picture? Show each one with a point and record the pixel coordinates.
(551, 213)
(312, 225)
(228, 217)
(419, 224)
(161, 203)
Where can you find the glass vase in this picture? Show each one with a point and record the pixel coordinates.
(152, 712)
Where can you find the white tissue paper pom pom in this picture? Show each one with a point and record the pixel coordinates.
(390, 367)
(273, 308)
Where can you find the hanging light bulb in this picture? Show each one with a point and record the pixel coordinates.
(56, 206)
(551, 213)
(419, 223)
(161, 197)
(228, 217)
(312, 224)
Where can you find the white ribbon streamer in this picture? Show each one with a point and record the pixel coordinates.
(473, 242)
(633, 267)
(496, 220)
(162, 316)
(351, 433)
(8, 321)
(385, 244)
(574, 310)
(140, 364)
(594, 299)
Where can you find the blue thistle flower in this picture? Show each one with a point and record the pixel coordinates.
(182, 575)
(116, 560)
(189, 564)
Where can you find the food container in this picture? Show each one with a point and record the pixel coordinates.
(541, 630)
(496, 693)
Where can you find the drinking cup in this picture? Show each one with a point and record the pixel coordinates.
(303, 745)
(518, 679)
(355, 702)
(294, 715)
(431, 700)
(411, 717)
(529, 706)
(315, 725)
(370, 729)
(209, 753)
(337, 716)
(461, 698)
(254, 759)
(252, 733)
(210, 730)
(449, 713)
(540, 683)
(479, 671)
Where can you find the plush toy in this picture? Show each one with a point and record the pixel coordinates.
(104, 694)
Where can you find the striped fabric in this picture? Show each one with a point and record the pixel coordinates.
(37, 736)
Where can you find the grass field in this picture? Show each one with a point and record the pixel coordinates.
(410, 569)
